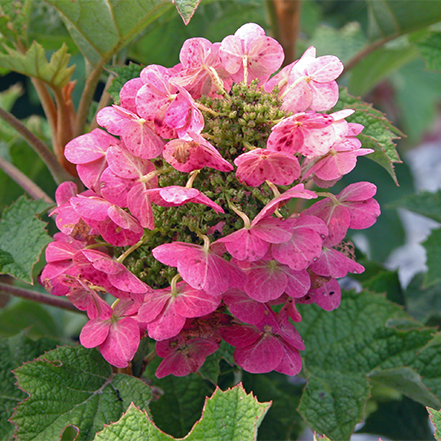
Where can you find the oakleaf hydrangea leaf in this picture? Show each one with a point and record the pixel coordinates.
(100, 28)
(430, 49)
(22, 238)
(186, 8)
(366, 335)
(433, 250)
(33, 63)
(229, 415)
(378, 133)
(425, 203)
(73, 386)
(13, 352)
(435, 417)
(392, 18)
(13, 19)
(124, 74)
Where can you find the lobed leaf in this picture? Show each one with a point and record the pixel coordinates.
(33, 63)
(435, 417)
(366, 337)
(101, 28)
(13, 352)
(22, 238)
(186, 8)
(73, 387)
(229, 415)
(378, 133)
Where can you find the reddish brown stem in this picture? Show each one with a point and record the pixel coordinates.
(38, 297)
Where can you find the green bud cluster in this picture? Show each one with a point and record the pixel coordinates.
(245, 118)
(244, 121)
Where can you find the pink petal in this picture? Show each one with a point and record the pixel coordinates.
(94, 332)
(244, 307)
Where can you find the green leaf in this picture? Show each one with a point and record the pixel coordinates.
(101, 28)
(14, 16)
(210, 370)
(22, 314)
(430, 49)
(367, 334)
(13, 352)
(433, 250)
(423, 303)
(406, 381)
(180, 406)
(73, 386)
(435, 417)
(186, 8)
(378, 133)
(391, 17)
(282, 422)
(227, 416)
(22, 238)
(425, 203)
(398, 420)
(33, 63)
(378, 65)
(124, 74)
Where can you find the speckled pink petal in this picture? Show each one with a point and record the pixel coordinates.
(324, 95)
(89, 147)
(299, 282)
(192, 302)
(140, 206)
(325, 69)
(291, 363)
(93, 207)
(115, 189)
(128, 93)
(141, 140)
(122, 342)
(167, 324)
(90, 173)
(328, 296)
(117, 236)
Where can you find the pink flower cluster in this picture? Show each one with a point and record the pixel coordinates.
(227, 282)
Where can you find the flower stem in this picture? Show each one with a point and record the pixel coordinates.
(57, 171)
(21, 179)
(38, 297)
(86, 99)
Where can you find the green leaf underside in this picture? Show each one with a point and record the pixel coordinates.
(33, 63)
(366, 336)
(101, 28)
(430, 49)
(389, 18)
(186, 8)
(435, 417)
(73, 386)
(378, 133)
(433, 250)
(13, 352)
(124, 74)
(229, 415)
(22, 238)
(425, 203)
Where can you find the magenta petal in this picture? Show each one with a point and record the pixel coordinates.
(128, 93)
(299, 282)
(260, 357)
(126, 281)
(122, 342)
(291, 363)
(244, 307)
(117, 236)
(94, 332)
(140, 206)
(167, 324)
(244, 245)
(240, 335)
(153, 304)
(272, 230)
(114, 188)
(328, 296)
(336, 264)
(65, 191)
(196, 303)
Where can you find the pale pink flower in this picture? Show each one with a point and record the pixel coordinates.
(249, 54)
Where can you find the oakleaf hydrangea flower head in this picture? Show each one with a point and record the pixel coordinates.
(188, 218)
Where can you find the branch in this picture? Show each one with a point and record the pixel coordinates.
(24, 182)
(38, 297)
(366, 51)
(57, 171)
(285, 18)
(86, 99)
